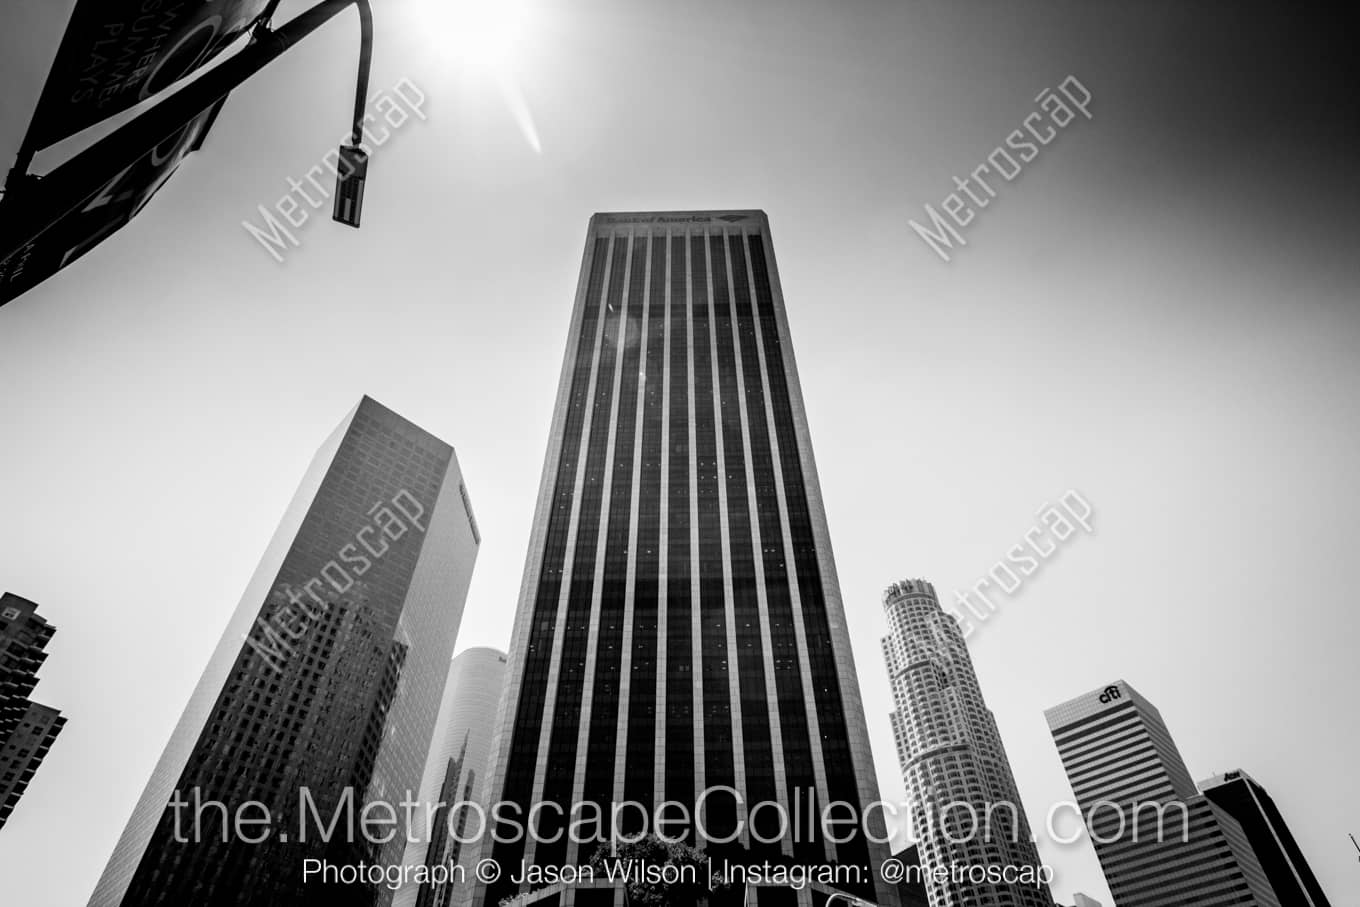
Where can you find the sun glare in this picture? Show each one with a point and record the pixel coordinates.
(481, 33)
(483, 46)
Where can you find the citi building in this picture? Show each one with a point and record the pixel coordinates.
(1159, 842)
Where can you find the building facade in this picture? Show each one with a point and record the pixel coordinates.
(911, 891)
(965, 807)
(27, 729)
(1159, 842)
(455, 775)
(680, 625)
(323, 693)
(1240, 796)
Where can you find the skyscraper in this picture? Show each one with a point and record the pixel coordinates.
(680, 625)
(325, 685)
(23, 750)
(911, 891)
(965, 807)
(24, 636)
(27, 729)
(456, 774)
(1159, 842)
(1240, 796)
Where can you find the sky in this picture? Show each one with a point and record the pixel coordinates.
(1159, 311)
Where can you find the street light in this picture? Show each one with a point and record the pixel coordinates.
(352, 169)
(850, 900)
(831, 896)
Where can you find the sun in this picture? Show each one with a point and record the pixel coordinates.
(478, 33)
(483, 45)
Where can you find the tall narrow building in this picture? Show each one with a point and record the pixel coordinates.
(454, 777)
(951, 754)
(1159, 842)
(1240, 796)
(27, 728)
(324, 690)
(680, 625)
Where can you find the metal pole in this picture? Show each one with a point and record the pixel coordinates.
(365, 64)
(45, 201)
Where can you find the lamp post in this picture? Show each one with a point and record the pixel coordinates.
(349, 181)
(831, 896)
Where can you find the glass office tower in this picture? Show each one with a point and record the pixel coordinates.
(456, 776)
(680, 625)
(327, 680)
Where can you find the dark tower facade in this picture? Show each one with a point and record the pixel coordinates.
(27, 729)
(680, 626)
(1240, 796)
(324, 689)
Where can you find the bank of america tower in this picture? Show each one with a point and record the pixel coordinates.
(680, 625)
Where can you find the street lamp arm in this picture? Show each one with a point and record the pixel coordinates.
(365, 65)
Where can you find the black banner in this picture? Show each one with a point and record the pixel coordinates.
(102, 214)
(118, 53)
